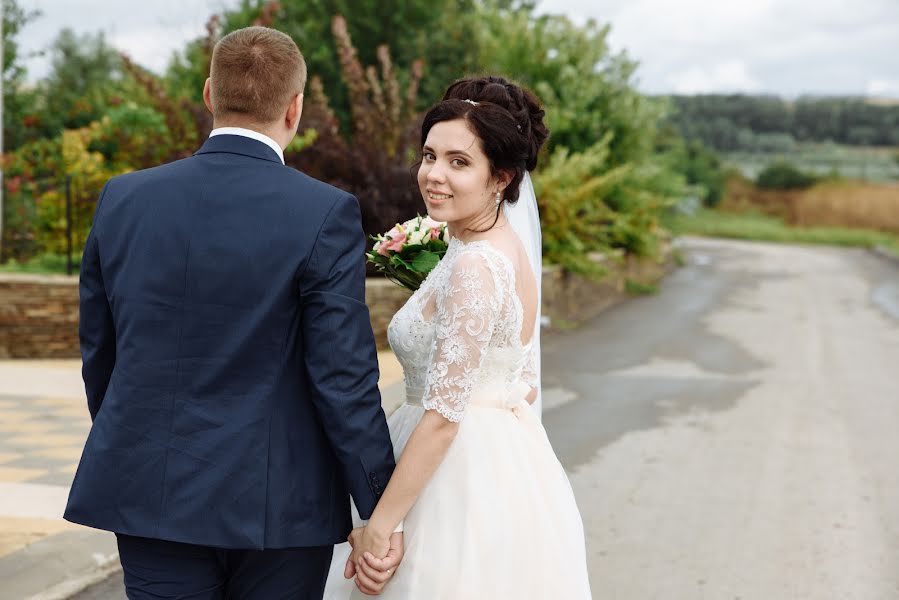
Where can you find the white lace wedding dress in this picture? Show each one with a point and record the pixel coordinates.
(498, 520)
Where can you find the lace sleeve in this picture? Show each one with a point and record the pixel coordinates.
(468, 307)
(530, 374)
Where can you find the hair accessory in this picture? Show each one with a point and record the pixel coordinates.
(472, 102)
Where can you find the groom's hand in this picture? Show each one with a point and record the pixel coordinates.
(365, 539)
(373, 573)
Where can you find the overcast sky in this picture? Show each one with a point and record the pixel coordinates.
(787, 47)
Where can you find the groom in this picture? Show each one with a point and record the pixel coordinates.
(229, 362)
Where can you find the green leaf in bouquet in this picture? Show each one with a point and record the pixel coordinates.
(377, 259)
(437, 246)
(409, 252)
(425, 262)
(397, 261)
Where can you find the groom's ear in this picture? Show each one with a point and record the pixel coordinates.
(207, 95)
(294, 112)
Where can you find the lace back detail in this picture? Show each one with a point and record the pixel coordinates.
(462, 329)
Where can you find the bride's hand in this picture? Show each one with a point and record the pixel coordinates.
(380, 570)
(364, 540)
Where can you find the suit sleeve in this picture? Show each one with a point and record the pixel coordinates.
(341, 358)
(96, 332)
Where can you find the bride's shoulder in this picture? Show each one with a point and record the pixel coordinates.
(484, 256)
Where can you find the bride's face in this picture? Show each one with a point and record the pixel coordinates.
(454, 176)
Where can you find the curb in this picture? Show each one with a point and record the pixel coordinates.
(885, 254)
(59, 566)
(106, 567)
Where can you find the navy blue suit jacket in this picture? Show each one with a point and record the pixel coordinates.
(229, 361)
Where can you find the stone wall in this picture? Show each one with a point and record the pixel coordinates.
(569, 299)
(39, 314)
(384, 298)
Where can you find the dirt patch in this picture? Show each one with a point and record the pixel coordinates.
(15, 534)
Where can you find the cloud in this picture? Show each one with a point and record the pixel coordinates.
(883, 88)
(729, 76)
(148, 31)
(788, 47)
(152, 47)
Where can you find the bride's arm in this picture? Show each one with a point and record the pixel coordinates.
(530, 373)
(467, 309)
(423, 453)
(425, 450)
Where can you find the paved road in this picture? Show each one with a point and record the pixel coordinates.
(734, 436)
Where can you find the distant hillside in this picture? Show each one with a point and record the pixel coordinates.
(771, 124)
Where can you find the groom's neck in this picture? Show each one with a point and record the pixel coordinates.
(264, 129)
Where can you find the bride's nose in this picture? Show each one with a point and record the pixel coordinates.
(436, 173)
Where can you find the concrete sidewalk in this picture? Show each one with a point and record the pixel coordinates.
(43, 425)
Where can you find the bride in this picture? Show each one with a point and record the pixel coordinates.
(485, 507)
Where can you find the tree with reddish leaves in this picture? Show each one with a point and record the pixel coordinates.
(375, 160)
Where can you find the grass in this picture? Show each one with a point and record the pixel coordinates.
(636, 288)
(44, 264)
(755, 226)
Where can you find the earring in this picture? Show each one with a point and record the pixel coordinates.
(499, 198)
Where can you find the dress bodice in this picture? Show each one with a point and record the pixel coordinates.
(458, 337)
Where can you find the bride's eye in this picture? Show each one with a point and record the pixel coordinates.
(458, 162)
(428, 156)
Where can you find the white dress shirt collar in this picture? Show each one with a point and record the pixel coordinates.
(255, 135)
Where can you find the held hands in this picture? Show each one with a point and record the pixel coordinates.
(374, 559)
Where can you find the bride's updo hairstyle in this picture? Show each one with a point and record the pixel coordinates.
(506, 118)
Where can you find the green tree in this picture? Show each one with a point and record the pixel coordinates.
(435, 31)
(697, 163)
(86, 79)
(588, 90)
(17, 101)
(715, 119)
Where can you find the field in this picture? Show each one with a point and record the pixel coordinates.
(832, 203)
(851, 162)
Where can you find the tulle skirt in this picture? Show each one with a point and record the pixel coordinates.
(498, 520)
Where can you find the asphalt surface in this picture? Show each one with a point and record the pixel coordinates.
(734, 436)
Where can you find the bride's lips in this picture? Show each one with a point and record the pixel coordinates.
(435, 197)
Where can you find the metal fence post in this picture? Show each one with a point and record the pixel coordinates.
(68, 224)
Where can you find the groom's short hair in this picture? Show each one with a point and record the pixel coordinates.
(255, 72)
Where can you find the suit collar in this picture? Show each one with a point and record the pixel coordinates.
(238, 144)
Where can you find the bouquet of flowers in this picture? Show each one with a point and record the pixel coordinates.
(409, 251)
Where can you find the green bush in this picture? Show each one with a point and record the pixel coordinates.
(701, 167)
(588, 205)
(42, 263)
(784, 176)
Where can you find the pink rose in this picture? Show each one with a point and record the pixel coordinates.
(396, 244)
(381, 249)
(396, 237)
(434, 226)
